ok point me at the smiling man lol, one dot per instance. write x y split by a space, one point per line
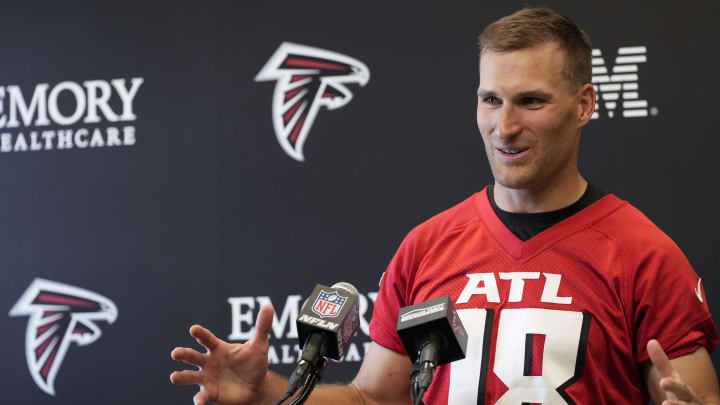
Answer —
530 112
569 294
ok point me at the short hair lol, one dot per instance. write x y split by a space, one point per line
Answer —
539 25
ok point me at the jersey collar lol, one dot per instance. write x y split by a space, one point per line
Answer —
523 251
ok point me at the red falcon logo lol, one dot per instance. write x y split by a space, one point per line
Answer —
307 78
60 314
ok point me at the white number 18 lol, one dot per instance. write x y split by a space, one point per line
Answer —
563 355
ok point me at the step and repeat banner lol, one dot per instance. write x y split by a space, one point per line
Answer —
171 163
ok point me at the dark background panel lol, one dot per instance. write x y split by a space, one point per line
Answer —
206 206
136 224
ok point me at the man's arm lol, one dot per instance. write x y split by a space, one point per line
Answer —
688 379
238 373
384 378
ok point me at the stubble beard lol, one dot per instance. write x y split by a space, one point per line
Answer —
512 177
533 175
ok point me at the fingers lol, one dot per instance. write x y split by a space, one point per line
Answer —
188 356
263 325
659 359
186 377
204 337
201 398
679 389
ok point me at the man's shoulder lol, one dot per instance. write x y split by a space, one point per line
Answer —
629 227
451 219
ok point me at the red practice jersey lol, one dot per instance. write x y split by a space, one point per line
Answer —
562 318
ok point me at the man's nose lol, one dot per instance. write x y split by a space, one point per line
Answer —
508 123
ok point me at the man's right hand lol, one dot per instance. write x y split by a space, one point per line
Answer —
228 373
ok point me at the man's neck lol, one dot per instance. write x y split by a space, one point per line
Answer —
551 197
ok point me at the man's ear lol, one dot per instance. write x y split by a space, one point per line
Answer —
586 104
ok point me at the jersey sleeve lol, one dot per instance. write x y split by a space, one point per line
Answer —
391 297
669 302
398 283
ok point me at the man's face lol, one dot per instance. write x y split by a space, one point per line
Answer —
528 116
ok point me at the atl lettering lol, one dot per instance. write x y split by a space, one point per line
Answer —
490 290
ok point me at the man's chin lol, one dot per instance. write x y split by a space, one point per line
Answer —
516 182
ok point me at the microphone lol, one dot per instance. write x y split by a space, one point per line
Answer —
332 312
433 335
327 321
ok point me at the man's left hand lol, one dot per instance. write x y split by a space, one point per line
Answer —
676 390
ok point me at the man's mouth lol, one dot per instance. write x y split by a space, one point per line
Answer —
512 151
513 155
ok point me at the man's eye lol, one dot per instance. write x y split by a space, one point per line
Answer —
492 100
531 101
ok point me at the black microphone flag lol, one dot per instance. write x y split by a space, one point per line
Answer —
418 322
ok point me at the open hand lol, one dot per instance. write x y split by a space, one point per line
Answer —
227 373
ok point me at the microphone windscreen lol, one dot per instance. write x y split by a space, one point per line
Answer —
347 287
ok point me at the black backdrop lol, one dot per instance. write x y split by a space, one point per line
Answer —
204 216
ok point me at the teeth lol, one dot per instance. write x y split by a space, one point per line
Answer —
511 152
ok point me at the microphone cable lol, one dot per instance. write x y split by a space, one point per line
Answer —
309 385
311 375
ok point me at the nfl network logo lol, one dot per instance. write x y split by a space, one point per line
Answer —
617 88
328 304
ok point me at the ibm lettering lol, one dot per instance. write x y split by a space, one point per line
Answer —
619 86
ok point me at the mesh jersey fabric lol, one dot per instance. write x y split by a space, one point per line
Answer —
563 317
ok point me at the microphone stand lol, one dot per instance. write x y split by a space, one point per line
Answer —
309 383
416 393
308 372
423 369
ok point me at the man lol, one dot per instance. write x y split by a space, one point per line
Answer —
562 287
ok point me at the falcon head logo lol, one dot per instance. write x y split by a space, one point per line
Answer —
60 314
306 79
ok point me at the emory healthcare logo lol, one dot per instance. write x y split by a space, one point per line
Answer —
68 115
59 314
306 79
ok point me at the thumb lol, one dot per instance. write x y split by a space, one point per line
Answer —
659 359
262 325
